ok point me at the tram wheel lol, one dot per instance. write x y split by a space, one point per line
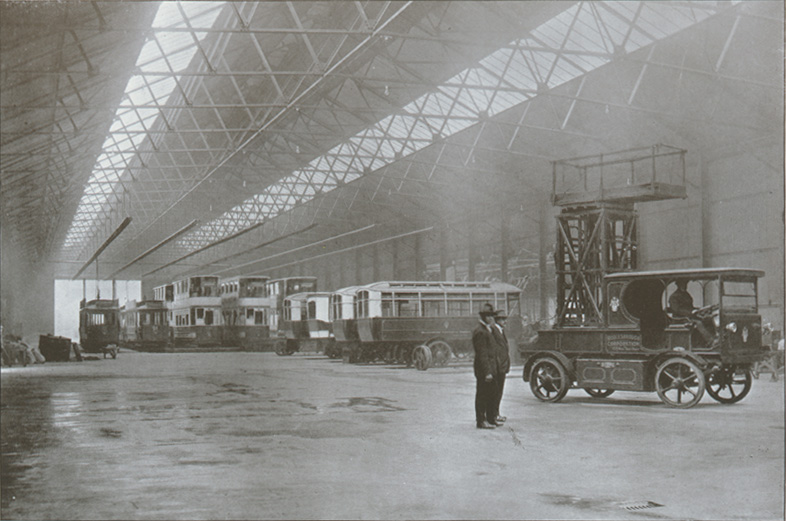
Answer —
421 358
598 393
679 383
407 355
548 380
398 354
441 353
729 384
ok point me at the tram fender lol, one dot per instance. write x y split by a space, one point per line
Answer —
564 360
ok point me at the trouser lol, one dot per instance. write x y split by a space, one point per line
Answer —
499 387
485 399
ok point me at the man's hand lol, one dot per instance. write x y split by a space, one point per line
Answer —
489 378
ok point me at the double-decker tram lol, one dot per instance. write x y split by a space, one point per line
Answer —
277 291
245 306
306 323
196 312
424 323
343 321
144 325
99 325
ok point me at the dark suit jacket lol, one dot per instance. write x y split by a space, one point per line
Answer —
485 353
501 350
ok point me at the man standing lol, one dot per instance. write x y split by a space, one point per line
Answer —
485 366
503 363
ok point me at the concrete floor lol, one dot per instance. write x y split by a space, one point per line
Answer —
253 435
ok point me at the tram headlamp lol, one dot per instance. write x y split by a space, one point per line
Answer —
732 326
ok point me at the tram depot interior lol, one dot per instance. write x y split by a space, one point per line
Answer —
202 202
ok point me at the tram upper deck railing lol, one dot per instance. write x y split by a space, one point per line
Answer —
628 176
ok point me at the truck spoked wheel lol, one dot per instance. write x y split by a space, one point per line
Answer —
549 380
679 383
729 384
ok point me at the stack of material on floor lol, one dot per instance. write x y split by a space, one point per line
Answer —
55 348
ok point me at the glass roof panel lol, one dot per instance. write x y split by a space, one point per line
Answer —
576 41
182 46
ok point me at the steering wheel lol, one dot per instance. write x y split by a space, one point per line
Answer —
706 310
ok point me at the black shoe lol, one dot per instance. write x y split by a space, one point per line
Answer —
486 425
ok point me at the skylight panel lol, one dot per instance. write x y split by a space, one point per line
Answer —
180 60
497 62
128 129
574 42
505 99
519 74
553 35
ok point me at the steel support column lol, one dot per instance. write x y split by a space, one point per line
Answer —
443 253
418 267
504 247
544 216
471 250
375 263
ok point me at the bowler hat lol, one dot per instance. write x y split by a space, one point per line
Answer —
488 310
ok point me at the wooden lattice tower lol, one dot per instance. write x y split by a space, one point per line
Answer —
597 228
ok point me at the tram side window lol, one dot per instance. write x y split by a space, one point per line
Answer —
433 305
335 307
254 289
361 304
513 303
312 310
387 304
259 317
458 305
478 299
407 305
209 317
